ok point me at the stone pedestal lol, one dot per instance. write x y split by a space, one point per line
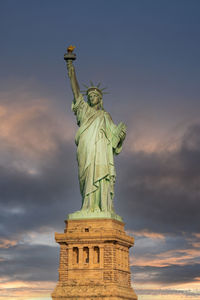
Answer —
94 261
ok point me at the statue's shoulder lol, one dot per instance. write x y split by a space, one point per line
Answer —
107 115
79 104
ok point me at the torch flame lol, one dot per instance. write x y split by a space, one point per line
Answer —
71 48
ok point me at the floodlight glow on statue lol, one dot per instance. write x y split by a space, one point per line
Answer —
97 140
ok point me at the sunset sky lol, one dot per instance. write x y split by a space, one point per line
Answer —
147 52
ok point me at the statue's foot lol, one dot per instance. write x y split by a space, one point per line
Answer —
96 209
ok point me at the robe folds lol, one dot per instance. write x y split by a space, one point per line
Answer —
97 141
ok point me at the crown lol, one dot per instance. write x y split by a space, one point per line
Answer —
93 88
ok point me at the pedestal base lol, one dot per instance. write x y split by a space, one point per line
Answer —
81 214
94 293
94 261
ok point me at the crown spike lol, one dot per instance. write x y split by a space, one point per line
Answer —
93 87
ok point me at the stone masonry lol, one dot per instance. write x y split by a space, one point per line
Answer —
94 261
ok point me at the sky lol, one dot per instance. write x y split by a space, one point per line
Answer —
147 53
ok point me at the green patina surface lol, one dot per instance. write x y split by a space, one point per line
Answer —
81 214
98 139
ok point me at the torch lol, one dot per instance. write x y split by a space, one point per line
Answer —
70 55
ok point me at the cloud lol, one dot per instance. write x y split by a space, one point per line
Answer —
147 234
5 243
37 171
169 292
167 275
160 191
26 290
30 263
169 261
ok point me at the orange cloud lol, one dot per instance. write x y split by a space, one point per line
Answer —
24 290
31 128
197 235
172 257
146 233
165 258
146 135
196 244
25 128
5 243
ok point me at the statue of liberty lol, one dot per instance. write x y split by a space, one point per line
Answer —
98 139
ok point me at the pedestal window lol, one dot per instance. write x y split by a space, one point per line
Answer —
96 255
75 255
86 255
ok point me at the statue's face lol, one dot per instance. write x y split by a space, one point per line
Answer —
93 98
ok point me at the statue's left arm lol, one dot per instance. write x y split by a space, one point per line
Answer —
117 134
119 137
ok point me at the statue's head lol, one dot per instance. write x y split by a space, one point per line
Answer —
94 96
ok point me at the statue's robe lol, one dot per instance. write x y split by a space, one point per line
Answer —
97 140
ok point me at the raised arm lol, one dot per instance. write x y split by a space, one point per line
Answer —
69 57
73 79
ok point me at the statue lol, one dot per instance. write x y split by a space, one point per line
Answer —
97 140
